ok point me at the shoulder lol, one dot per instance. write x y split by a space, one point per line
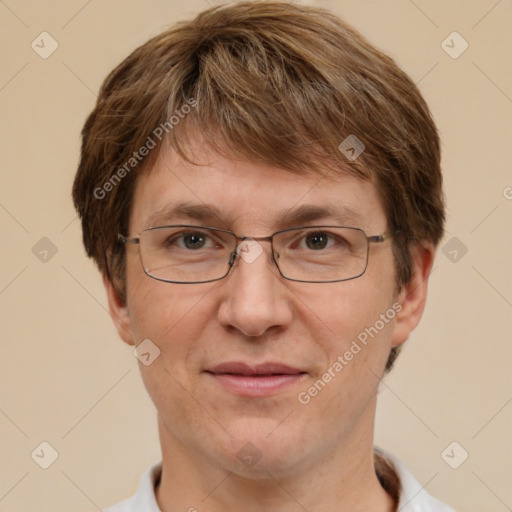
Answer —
144 499
412 497
122 506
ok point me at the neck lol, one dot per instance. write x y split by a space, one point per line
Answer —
345 480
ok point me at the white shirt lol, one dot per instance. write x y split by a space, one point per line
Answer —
412 499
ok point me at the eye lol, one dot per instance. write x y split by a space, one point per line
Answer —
193 240
190 240
317 240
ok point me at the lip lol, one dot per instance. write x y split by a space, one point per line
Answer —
255 379
240 368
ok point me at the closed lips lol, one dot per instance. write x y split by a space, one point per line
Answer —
257 370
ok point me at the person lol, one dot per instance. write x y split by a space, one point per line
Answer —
260 188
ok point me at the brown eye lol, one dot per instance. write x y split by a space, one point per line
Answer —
317 240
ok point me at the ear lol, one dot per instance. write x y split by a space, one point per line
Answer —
118 312
413 295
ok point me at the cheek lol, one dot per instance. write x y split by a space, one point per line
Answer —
173 319
351 325
341 311
171 316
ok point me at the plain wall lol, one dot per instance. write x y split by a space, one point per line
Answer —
68 380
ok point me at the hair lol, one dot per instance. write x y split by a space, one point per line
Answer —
269 82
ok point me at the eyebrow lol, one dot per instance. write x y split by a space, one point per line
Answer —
290 217
309 213
200 212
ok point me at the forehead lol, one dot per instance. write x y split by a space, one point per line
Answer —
236 194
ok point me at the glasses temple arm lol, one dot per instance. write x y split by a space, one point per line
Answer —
127 240
380 238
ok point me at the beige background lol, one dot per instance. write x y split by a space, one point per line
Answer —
67 379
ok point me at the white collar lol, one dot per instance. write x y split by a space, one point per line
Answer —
413 497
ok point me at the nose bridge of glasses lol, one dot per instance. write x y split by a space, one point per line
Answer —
243 238
249 249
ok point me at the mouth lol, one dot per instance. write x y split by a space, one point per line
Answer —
255 380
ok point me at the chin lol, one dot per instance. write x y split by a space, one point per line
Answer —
258 448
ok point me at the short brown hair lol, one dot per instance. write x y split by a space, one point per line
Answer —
271 82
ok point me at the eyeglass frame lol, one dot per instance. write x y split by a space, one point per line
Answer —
239 239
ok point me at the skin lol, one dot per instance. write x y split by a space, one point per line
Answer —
315 457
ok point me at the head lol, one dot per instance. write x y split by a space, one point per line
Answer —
247 108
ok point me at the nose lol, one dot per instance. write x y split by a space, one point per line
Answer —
255 300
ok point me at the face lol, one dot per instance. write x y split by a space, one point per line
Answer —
318 349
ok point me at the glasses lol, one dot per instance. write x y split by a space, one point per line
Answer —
198 254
